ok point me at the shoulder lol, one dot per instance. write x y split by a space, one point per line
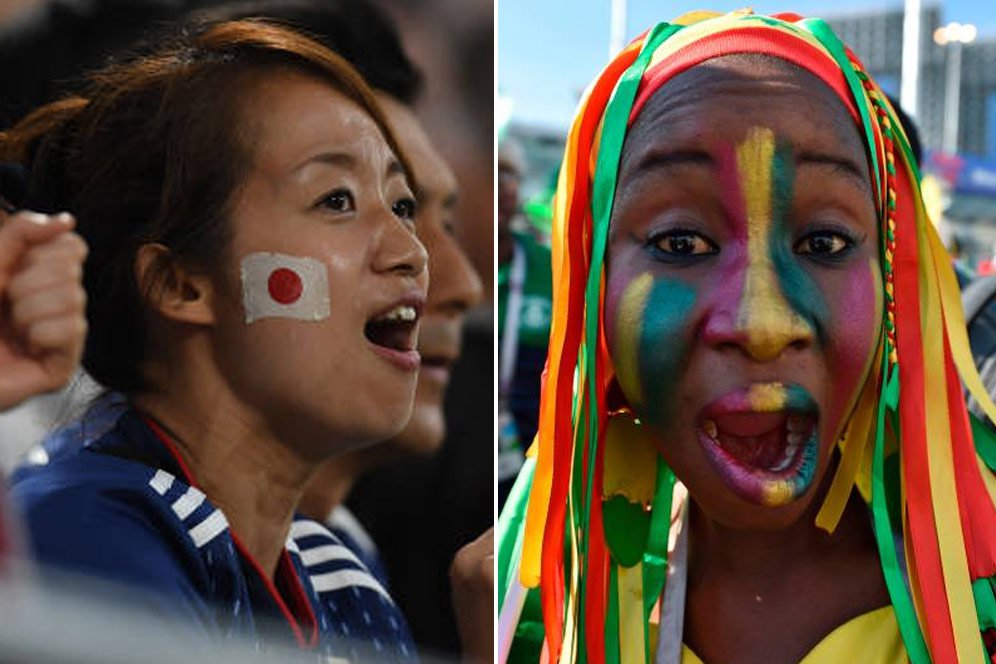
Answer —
119 520
330 563
359 606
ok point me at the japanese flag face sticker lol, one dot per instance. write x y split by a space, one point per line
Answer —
282 286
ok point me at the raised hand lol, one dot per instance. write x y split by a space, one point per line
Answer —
42 304
472 579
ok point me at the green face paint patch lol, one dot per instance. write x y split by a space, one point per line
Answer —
663 345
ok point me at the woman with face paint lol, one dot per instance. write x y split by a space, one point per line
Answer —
756 334
254 289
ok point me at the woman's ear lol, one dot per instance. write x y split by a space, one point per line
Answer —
170 290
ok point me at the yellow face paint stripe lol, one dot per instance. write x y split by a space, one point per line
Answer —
628 325
767 397
777 494
764 312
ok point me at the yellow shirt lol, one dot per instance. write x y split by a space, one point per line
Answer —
871 638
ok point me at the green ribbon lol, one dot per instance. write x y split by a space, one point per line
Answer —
825 35
510 528
895 581
985 603
609 151
985 441
655 558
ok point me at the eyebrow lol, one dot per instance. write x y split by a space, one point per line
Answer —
396 168
837 164
346 160
667 161
342 159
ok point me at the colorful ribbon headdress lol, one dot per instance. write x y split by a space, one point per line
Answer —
599 556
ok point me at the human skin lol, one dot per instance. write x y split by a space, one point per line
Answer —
42 304
454 288
257 407
743 298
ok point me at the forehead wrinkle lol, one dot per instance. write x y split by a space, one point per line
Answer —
745 78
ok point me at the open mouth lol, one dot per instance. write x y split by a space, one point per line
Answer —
768 442
394 329
394 334
765 450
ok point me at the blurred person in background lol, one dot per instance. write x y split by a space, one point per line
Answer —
176 164
365 37
524 310
422 510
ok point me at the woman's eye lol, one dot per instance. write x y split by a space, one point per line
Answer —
823 244
404 208
683 243
340 200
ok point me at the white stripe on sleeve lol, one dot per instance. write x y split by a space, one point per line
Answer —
328 553
306 527
185 505
347 578
209 528
161 482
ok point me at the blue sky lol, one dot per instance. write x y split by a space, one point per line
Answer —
549 50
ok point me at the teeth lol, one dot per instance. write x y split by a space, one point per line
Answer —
402 312
794 441
710 428
796 423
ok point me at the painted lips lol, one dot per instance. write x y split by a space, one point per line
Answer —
763 440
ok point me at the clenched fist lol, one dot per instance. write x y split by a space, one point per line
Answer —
42 304
472 576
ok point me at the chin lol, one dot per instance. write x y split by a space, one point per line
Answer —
724 505
424 433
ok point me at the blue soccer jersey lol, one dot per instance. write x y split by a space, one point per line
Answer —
121 506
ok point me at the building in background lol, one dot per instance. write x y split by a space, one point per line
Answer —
963 181
877 38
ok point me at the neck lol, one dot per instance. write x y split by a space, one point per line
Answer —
235 460
332 484
762 558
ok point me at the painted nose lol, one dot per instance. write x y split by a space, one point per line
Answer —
761 323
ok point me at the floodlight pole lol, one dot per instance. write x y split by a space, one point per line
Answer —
952 97
910 76
617 29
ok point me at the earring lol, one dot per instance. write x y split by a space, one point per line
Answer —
629 480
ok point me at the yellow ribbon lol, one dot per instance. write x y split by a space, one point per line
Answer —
631 622
940 459
854 450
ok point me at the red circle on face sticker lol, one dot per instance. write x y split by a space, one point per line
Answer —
285 285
